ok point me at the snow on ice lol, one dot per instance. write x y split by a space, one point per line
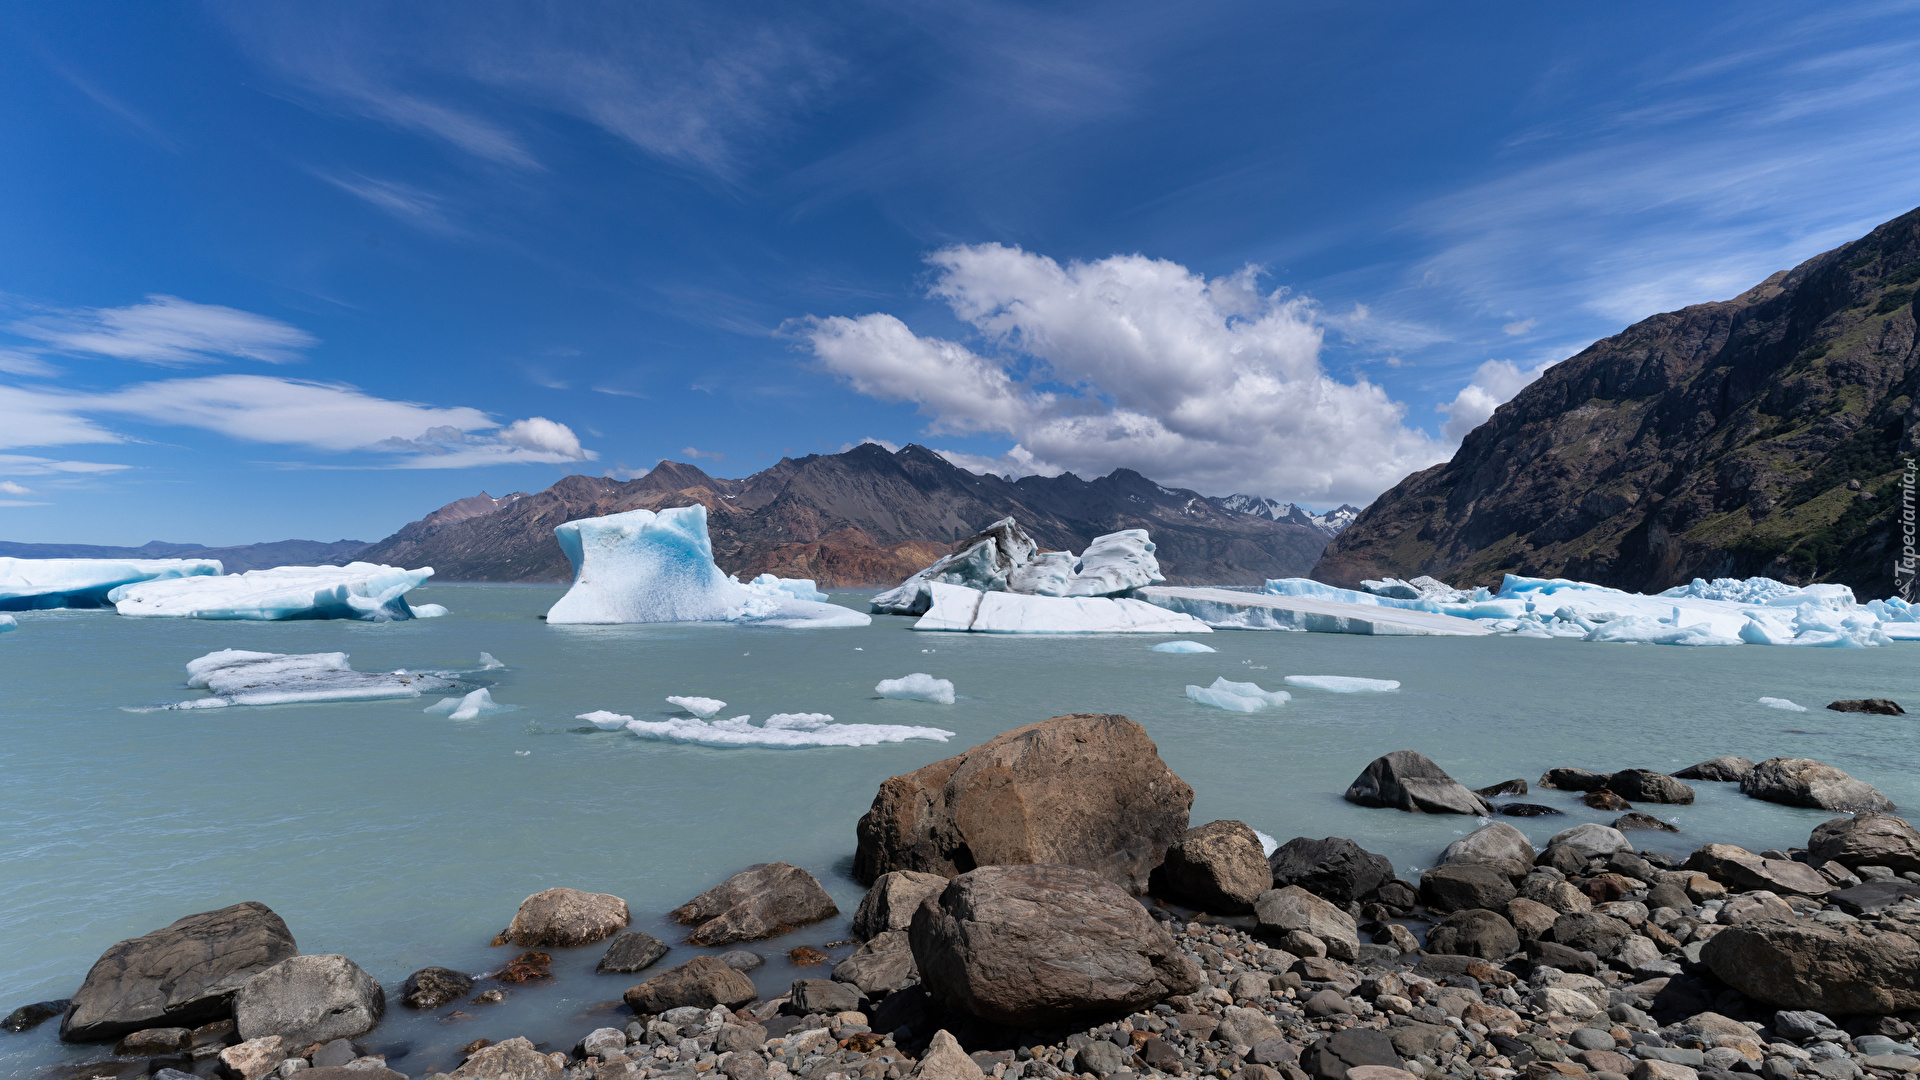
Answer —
787 731
236 677
702 707
1182 647
354 591
1342 684
38 584
1003 558
471 707
918 686
956 607
1236 696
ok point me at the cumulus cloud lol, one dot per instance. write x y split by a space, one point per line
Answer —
1494 383
1014 464
1133 362
168 330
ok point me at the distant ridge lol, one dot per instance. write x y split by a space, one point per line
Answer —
234 560
859 518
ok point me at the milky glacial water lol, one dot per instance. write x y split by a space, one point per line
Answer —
404 839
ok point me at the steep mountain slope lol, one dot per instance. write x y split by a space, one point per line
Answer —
1762 435
863 517
234 559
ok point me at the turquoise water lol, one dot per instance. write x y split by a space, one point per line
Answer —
404 839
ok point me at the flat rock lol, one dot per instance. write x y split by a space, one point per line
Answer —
1498 845
559 918
1334 868
1462 886
1738 868
1646 822
432 987
1218 867
1409 780
511 1059
701 983
1876 705
1084 790
1867 840
1294 908
1474 932
890 904
1036 945
309 999
1645 785
631 951
182 975
764 900
1727 769
822 996
1837 969
1805 782
1872 896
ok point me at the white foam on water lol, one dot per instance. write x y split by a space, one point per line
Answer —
701 707
429 611
1342 684
918 686
786 731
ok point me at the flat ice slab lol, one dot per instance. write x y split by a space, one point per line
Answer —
355 591
1236 696
785 731
1226 609
1343 684
254 678
956 607
38 584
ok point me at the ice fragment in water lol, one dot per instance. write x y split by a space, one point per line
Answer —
701 707
918 686
1182 647
8 622
604 720
254 678
428 611
355 591
797 588
790 731
36 584
488 663
1268 845
1782 703
472 707
1236 696
958 608
1341 684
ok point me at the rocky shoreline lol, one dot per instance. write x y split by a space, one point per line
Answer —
1039 907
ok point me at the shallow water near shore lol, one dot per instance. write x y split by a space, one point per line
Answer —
404 839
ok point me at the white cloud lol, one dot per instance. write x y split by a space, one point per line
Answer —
1494 383
1519 327
1016 463
168 330
13 362
22 465
46 418
1135 362
696 454
12 488
410 204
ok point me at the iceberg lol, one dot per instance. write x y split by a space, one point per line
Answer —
1116 563
1049 573
1003 558
471 707
1420 588
641 567
918 686
39 584
1230 609
1341 684
982 562
8 622
1782 703
256 678
1182 647
1236 696
786 731
958 608
354 591
701 707
604 720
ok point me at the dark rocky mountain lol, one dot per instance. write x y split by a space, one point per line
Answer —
1762 435
863 517
1329 523
235 560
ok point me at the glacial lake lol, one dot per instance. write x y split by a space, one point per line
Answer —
404 839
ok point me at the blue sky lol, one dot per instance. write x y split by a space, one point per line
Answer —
274 271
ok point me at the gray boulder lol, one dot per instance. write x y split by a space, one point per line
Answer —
183 975
1728 769
432 987
1839 969
1645 785
1475 932
1334 868
822 996
309 999
1499 845
1409 780
1331 1057
764 900
1590 840
1217 867
881 966
1294 908
1588 931
559 918
1463 886
1742 870
631 951
700 983
1037 945
511 1059
1867 840
1805 782
890 904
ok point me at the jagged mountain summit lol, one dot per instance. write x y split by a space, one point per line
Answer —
1765 434
863 517
1329 523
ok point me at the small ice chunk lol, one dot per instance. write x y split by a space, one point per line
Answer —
604 720
788 731
1780 702
701 707
472 707
1341 684
8 622
488 663
237 677
428 611
918 686
1182 647
1236 696
1268 845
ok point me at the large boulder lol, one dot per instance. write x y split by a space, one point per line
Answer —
881 966
1742 870
183 975
1645 785
890 904
559 918
1409 780
1805 782
1498 845
1084 790
1474 932
1217 867
1590 840
1038 945
309 999
1727 769
1590 931
1294 908
1867 840
1461 886
764 900
1861 967
1335 868
510 1059
701 982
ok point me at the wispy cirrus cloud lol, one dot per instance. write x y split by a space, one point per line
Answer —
415 206
164 330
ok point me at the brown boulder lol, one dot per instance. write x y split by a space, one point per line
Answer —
890 904
764 900
565 917
182 975
1805 782
1037 945
1083 790
1740 869
1645 785
512 1059
701 982
1294 908
1861 967
1727 769
1605 800
1867 840
1218 867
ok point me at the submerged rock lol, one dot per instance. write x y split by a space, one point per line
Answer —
28 1017
764 900
1643 821
1567 779
1528 810
1505 787
1605 800
1867 840
1219 867
180 976
1805 782
631 951
1334 868
1876 706
1645 785
432 987
1082 790
560 918
1409 780
309 999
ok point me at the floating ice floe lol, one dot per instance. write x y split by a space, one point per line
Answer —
956 607
1347 613
8 622
1342 684
488 663
701 707
255 678
1782 703
791 731
918 686
643 567
428 611
1182 647
471 707
604 720
38 584
354 591
1003 558
1236 696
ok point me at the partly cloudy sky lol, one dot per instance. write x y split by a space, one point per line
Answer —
288 270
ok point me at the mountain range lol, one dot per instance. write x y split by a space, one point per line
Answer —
1765 434
235 559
